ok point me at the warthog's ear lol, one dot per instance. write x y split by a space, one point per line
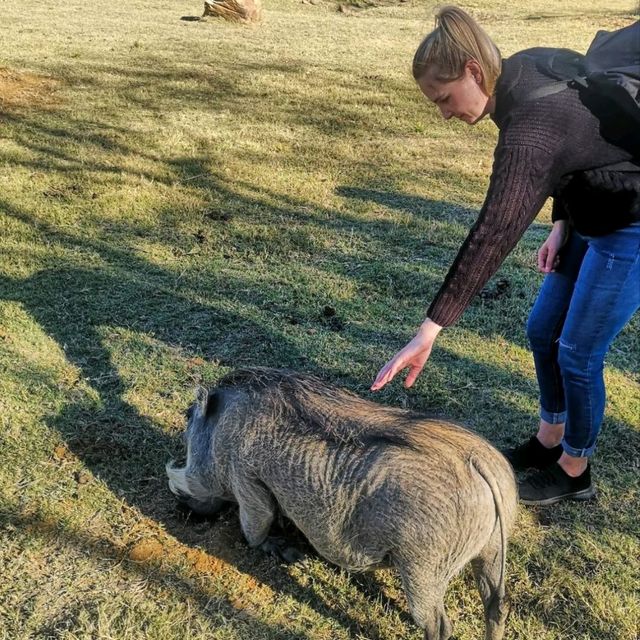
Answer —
202 395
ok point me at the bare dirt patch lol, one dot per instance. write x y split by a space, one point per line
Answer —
20 90
204 563
146 551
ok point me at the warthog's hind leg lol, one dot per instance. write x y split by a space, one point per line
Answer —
487 569
425 593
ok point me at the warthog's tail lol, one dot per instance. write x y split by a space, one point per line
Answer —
488 477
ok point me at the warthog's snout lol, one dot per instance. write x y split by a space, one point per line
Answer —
368 485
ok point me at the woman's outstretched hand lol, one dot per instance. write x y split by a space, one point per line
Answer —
548 253
414 355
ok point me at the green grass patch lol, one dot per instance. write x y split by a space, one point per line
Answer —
179 198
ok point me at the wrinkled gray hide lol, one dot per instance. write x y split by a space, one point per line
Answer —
368 485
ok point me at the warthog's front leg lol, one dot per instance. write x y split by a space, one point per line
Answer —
257 513
282 549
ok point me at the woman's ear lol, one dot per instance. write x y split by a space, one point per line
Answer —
476 71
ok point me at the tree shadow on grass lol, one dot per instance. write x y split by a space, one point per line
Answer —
119 445
237 86
166 571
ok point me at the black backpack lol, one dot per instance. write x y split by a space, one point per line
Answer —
610 67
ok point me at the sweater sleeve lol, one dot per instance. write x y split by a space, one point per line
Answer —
558 210
520 182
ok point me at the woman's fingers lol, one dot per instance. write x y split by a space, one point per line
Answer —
387 374
542 257
547 258
381 378
550 262
414 355
550 250
392 368
414 372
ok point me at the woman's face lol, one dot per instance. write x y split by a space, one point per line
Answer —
463 98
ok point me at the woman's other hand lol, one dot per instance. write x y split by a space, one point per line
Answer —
414 355
548 252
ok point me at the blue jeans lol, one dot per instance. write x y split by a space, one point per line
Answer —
580 309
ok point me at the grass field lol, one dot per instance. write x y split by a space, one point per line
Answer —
178 198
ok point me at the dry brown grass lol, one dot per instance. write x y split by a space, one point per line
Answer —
24 90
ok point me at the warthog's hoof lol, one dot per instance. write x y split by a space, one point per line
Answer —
280 548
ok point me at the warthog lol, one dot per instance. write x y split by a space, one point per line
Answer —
368 485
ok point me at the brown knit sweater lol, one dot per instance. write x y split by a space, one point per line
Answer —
559 146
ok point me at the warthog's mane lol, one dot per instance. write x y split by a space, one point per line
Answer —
337 415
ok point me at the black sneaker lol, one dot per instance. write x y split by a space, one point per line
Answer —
553 484
532 455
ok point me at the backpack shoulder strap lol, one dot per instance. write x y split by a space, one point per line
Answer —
556 87
564 68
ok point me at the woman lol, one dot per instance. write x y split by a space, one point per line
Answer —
572 145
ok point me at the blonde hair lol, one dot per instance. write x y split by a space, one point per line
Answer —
457 39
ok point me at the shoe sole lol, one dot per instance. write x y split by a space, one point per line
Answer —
580 496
